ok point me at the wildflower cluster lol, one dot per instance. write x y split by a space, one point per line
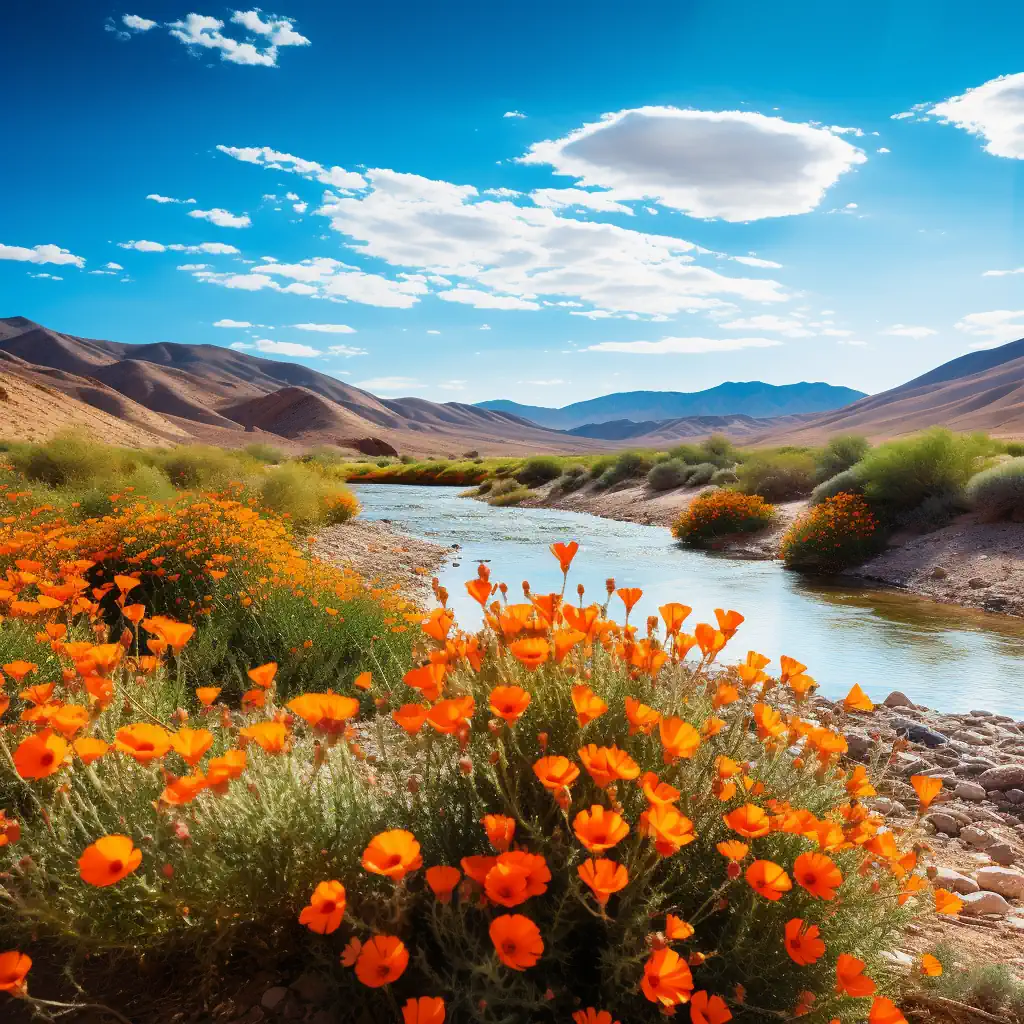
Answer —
719 513
561 817
839 532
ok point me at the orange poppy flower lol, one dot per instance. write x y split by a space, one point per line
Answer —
509 702
817 874
479 590
478 867
667 979
438 624
749 821
678 739
851 979
104 658
263 675
428 679
725 695
10 830
363 681
39 694
350 954
658 792
565 640
326 908
677 929
556 772
675 615
134 613
207 695
858 784
424 1010
599 829
750 671
705 1009
516 940
270 736
857 700
931 967
768 879
221 770
90 748
143 742
803 942
500 830
69 719
530 652
733 849
603 877
17 670
927 789
393 854
768 721
583 620
565 553
449 716
411 717
669 829
728 622
914 884
606 764
641 718
381 961
325 712
709 640
14 968
947 902
108 860
587 704
629 597
184 790
126 583
191 744
442 881
506 884
593 1016
40 755
885 1011
533 864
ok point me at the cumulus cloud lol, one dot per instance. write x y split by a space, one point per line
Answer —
997 326
1002 273
40 254
286 348
909 331
730 164
486 300
346 350
241 346
211 248
994 111
167 199
222 218
681 346
230 323
513 113
264 156
787 326
262 39
555 198
195 266
51 277
137 24
326 328
113 266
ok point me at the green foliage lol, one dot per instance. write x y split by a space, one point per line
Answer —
72 459
202 466
304 497
839 455
998 493
600 466
721 477
267 453
1014 448
993 988
691 454
777 476
719 450
839 532
663 476
700 474
721 513
539 470
847 482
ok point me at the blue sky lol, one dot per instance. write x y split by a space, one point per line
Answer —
544 203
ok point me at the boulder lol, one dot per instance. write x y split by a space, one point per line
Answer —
896 699
969 791
859 745
1004 776
918 733
944 823
368 445
983 902
1005 881
1015 796
976 837
1002 853
947 878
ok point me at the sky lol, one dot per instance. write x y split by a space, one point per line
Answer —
544 202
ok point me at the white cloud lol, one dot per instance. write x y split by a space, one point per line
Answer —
241 346
453 385
736 165
300 207
485 300
994 111
787 326
264 156
433 332
513 113
485 327
503 193
113 266
997 326
287 348
346 350
556 198
230 323
391 384
681 346
157 198
835 332
137 24
195 266
753 261
199 31
326 328
52 277
100 273
1003 273
882 149
40 254
909 331
222 218
210 248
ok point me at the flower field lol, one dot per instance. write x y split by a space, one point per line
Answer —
213 748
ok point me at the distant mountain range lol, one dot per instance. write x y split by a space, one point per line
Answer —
751 398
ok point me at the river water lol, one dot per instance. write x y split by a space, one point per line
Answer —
946 657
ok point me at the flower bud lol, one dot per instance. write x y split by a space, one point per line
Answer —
412 784
493 757
733 870
466 765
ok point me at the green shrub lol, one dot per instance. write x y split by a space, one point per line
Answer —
666 475
691 454
510 496
201 466
847 482
839 532
627 466
719 450
305 498
701 474
539 470
777 476
600 466
998 493
721 477
73 459
1014 448
267 453
839 455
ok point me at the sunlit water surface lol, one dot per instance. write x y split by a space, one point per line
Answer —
946 657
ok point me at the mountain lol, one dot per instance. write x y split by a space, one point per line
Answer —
170 392
982 390
753 398
662 433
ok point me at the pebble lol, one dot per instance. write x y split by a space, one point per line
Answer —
947 878
982 902
1005 881
977 837
969 791
944 823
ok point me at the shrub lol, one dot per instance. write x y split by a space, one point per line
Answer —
691 454
666 475
716 514
720 477
777 476
1014 448
572 479
626 467
306 498
201 466
539 470
262 452
998 493
840 454
600 466
719 450
700 474
847 482
829 537
510 496
73 459
900 475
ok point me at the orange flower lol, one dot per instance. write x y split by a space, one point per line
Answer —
425 1010
728 622
817 874
641 717
803 943
789 667
857 700
599 829
350 954
393 854
134 613
478 867
143 742
411 717
709 640
677 929
509 702
705 1009
593 1016
768 721
17 670
606 764
658 792
506 884
749 821
930 966
678 739
428 679
221 770
603 877
325 712
69 719
500 830
667 979
104 658
947 902
479 590
850 977
363 681
184 790
733 849
126 583
675 615
565 553
40 755
587 704
89 748
927 789
270 736
442 881
768 879
885 1011
38 694
108 860
10 830
14 967
326 908
669 829
725 695
191 744
531 652
438 624
565 640
858 784
750 671
449 716
556 772
629 597
264 674
207 695
516 940
381 961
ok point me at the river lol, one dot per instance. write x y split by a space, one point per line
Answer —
944 656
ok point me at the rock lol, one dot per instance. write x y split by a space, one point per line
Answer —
1005 776
979 713
1005 881
898 957
969 791
896 699
947 878
977 837
1002 853
886 805
859 745
938 573
982 902
977 583
944 823
311 987
1015 796
975 739
368 445
274 997
1016 923
918 733
975 765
